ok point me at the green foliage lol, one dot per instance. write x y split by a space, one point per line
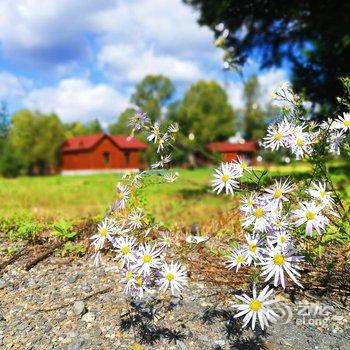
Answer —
11 163
206 113
64 229
72 249
37 139
121 125
312 35
79 128
8 251
26 230
152 94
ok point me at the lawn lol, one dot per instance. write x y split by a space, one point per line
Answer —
187 201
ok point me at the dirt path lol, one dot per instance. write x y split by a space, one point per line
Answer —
70 305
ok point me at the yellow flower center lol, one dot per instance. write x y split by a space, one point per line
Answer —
347 123
278 136
255 305
283 239
128 275
252 247
244 165
139 281
239 259
310 215
278 193
225 178
300 141
121 195
258 213
146 258
125 250
250 202
278 259
103 231
278 223
323 194
169 276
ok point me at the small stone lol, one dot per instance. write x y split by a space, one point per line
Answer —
2 284
72 279
79 308
181 345
76 345
88 317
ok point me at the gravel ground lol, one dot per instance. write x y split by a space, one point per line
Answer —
70 305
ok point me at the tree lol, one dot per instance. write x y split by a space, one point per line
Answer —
254 115
121 125
204 115
152 95
78 128
314 36
37 138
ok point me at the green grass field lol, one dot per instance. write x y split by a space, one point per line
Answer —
186 201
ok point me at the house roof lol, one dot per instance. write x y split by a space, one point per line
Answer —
80 143
227 147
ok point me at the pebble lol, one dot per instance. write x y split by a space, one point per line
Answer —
2 284
88 317
76 345
79 308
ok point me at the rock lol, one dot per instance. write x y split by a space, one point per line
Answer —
181 345
88 317
79 308
76 345
2 284
72 279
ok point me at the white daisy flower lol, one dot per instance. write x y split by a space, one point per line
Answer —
259 218
276 262
162 162
162 141
300 144
319 192
276 194
241 164
170 177
129 277
136 218
172 276
225 178
165 241
138 120
155 133
149 257
123 194
173 128
257 307
125 249
105 230
336 139
310 214
277 135
280 238
342 123
253 249
96 257
248 203
236 259
278 224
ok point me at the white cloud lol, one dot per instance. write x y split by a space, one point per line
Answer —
78 99
12 87
131 64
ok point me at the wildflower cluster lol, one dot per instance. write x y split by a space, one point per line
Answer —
126 228
273 216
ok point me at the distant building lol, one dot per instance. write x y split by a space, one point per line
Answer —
100 152
230 150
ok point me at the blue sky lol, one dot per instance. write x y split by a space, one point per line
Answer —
82 58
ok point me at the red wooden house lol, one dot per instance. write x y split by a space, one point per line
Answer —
230 150
101 152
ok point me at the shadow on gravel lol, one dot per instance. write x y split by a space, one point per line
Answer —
239 338
140 320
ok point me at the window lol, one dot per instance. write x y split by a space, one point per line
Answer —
127 157
105 158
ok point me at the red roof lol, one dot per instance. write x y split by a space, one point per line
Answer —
227 147
88 141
